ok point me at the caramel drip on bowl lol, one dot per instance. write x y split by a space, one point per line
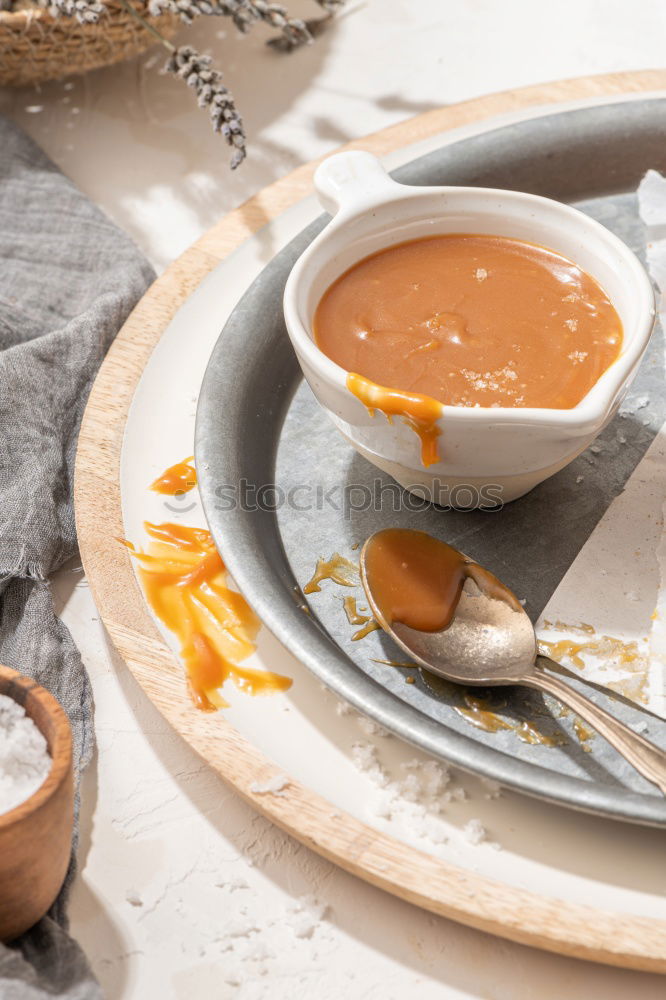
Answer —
186 585
419 412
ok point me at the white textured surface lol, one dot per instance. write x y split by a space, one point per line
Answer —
184 890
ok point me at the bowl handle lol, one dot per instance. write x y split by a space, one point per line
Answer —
351 181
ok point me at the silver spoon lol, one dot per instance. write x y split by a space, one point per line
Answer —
490 642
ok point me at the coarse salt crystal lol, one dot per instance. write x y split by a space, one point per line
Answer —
492 787
370 727
305 914
475 832
274 786
577 356
364 756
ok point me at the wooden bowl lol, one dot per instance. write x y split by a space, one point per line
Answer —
36 836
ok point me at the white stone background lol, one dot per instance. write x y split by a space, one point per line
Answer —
152 810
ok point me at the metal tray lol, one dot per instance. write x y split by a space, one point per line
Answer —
258 424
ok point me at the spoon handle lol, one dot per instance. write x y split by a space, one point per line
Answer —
648 759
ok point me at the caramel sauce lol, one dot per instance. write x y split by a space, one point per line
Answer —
564 649
582 628
354 616
185 583
396 663
417 580
583 734
623 653
478 712
371 626
527 732
470 320
345 573
419 412
483 715
338 569
614 653
177 479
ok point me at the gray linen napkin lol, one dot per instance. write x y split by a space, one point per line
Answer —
68 280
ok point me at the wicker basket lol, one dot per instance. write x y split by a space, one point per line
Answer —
34 46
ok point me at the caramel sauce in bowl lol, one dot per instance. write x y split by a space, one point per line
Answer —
435 441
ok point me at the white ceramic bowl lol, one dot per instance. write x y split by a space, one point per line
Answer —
502 452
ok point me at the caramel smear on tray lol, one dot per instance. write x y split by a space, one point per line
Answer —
342 571
483 715
177 479
417 580
583 734
613 655
471 320
371 626
622 653
338 569
354 616
419 412
185 583
480 714
397 663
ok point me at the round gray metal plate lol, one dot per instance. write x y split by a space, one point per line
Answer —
258 425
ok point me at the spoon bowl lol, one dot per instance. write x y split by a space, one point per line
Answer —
481 635
488 643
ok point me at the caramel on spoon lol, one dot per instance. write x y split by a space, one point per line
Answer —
457 620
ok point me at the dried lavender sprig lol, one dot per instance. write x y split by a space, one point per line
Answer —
187 10
244 14
85 11
314 27
196 70
292 29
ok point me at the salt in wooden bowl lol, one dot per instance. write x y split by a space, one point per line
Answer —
36 836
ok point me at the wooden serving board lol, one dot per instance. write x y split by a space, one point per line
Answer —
444 888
